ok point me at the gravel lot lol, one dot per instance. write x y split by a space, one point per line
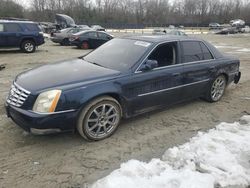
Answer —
66 160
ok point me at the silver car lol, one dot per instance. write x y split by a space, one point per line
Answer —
62 37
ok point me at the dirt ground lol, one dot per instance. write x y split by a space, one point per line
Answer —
66 160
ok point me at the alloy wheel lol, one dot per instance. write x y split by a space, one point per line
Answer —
218 88
102 120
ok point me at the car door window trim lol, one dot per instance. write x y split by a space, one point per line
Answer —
138 71
176 87
179 64
200 61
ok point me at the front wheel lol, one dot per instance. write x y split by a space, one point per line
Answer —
217 89
28 46
99 119
85 45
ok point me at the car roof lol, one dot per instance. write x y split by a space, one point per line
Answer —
16 21
160 38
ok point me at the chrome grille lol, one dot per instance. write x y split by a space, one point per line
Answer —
17 95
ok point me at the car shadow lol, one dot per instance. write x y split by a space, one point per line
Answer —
10 51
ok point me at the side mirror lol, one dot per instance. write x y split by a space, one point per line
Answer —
149 65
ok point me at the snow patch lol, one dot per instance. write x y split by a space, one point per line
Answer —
220 157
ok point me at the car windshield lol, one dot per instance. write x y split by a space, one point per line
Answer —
118 54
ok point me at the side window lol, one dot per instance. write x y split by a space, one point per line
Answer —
92 34
71 31
206 53
191 51
32 27
12 27
1 27
165 54
103 36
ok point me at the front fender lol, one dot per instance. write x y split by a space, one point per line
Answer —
78 98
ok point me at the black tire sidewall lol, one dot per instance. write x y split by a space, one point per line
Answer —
82 120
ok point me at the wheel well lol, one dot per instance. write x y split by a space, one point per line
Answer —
226 76
31 39
113 95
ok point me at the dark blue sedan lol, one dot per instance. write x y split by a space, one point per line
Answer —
89 39
122 78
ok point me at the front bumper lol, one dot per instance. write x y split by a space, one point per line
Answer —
42 123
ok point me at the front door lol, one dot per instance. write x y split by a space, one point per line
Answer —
93 39
162 86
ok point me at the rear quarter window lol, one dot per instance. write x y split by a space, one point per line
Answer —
32 27
206 52
191 51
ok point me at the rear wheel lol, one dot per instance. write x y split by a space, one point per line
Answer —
28 46
217 89
85 45
99 119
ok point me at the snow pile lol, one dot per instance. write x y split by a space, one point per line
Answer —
218 158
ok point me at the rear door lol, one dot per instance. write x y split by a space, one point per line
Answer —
198 63
93 39
103 37
13 34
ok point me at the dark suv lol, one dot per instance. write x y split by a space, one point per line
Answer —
25 35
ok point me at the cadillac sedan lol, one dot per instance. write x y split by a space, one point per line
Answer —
122 78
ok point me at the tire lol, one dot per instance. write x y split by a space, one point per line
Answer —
85 45
99 119
216 89
65 42
28 46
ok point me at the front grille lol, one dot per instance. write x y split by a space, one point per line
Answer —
17 95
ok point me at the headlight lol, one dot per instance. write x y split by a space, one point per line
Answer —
46 102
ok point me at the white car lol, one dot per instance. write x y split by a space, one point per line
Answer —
246 29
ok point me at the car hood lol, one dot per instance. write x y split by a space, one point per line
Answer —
66 73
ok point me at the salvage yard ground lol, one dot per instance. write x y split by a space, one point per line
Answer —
66 160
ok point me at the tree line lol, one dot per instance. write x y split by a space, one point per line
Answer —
119 13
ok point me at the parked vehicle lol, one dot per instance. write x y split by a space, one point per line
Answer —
245 29
228 30
62 37
90 39
214 26
25 35
169 32
97 28
122 78
64 21
237 23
